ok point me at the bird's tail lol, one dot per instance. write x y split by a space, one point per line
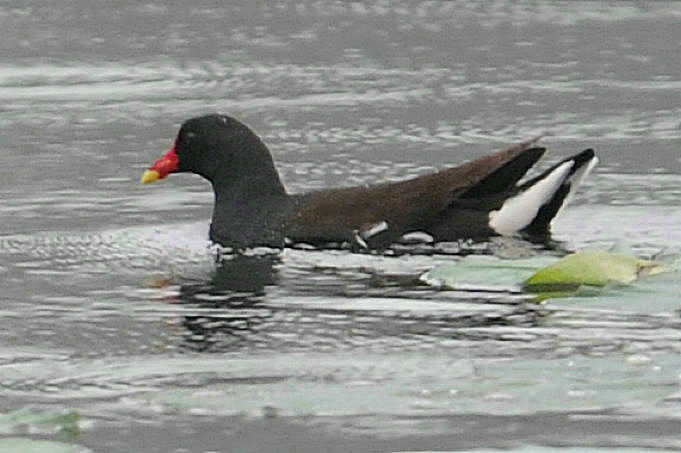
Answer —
536 202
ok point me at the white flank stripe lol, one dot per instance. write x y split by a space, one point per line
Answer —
374 229
360 241
417 236
518 212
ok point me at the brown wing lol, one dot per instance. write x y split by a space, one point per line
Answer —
338 214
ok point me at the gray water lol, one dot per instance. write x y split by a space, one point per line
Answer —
118 333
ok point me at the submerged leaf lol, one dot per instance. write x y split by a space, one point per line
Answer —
65 421
24 445
484 273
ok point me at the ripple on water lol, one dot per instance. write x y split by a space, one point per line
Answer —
343 384
127 322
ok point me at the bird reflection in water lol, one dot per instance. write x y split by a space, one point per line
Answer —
232 301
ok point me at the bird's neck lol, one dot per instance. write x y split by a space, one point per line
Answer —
250 212
248 188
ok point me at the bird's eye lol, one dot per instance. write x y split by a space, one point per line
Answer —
187 137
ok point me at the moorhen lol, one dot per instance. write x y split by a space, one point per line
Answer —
478 199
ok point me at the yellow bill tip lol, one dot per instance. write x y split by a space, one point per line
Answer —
150 176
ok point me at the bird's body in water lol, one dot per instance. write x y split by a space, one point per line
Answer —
475 200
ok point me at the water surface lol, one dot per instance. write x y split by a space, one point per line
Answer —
119 333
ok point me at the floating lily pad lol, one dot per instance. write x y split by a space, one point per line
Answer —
580 273
590 267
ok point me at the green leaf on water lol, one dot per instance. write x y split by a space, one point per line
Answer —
581 273
592 267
